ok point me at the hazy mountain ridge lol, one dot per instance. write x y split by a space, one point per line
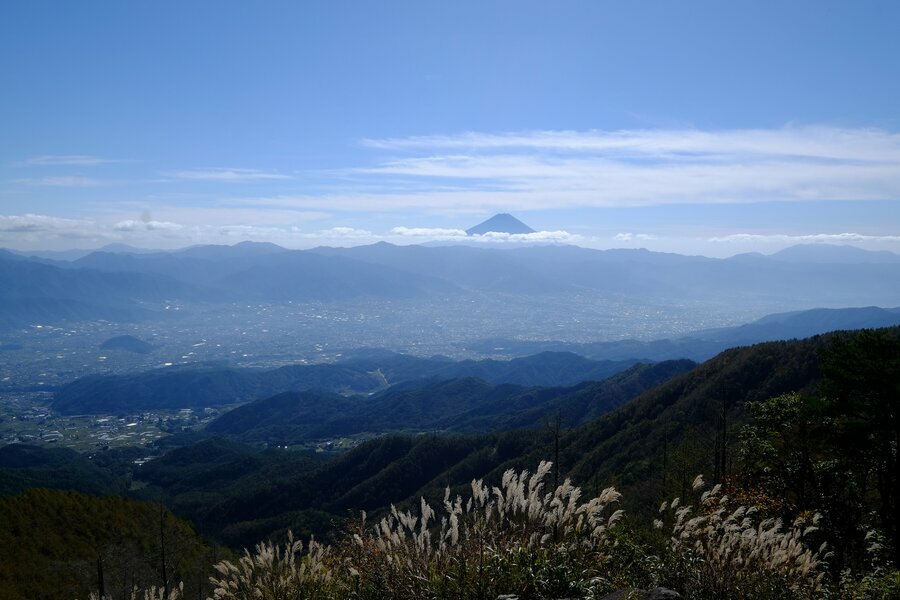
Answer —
198 386
639 272
457 405
195 387
33 292
704 344
128 343
834 253
264 272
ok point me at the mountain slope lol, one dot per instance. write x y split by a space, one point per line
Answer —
457 405
193 386
50 542
500 223
23 466
268 272
670 429
32 292
128 343
832 253
466 267
196 387
704 344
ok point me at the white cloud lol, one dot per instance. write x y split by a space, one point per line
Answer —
479 173
345 232
628 237
439 234
239 232
225 175
225 213
812 238
74 181
149 225
806 141
429 232
45 232
546 170
31 223
55 160
557 237
568 169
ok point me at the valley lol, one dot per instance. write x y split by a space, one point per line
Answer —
249 418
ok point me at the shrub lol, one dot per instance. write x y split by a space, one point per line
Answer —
275 573
153 593
727 551
514 538
517 538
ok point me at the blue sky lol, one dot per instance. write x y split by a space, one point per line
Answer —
701 127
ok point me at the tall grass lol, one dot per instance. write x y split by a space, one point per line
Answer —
720 550
524 539
275 573
153 593
515 538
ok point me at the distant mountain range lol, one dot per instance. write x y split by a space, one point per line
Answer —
75 254
33 292
125 285
702 345
832 253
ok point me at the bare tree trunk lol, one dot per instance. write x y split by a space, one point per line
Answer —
100 584
162 543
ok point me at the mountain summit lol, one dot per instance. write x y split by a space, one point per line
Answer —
501 223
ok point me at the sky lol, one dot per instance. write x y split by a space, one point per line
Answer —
700 127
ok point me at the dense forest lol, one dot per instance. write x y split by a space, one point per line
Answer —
796 440
57 544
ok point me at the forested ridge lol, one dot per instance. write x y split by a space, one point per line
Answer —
788 429
54 544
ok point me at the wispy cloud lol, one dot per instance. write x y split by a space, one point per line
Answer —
345 232
439 234
41 230
59 160
803 141
31 223
629 237
812 238
150 225
540 237
566 169
424 180
429 232
70 181
226 175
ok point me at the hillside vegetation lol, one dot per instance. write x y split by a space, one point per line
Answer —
466 405
51 542
796 439
650 447
194 386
